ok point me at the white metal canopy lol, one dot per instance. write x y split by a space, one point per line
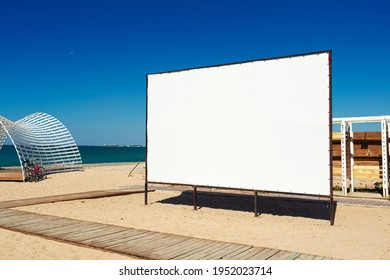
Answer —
42 137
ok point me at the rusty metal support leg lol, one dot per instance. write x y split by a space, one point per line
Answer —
255 205
146 193
331 210
195 198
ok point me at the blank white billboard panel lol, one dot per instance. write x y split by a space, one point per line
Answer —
261 125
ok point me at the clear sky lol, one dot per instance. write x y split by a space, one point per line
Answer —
85 62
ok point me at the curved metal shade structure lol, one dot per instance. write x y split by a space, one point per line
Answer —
43 138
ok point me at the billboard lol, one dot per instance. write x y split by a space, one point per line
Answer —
256 125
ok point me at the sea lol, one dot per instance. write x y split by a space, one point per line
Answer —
89 155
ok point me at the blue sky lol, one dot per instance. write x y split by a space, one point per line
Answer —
85 62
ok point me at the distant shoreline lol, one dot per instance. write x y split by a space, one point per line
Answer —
89 155
103 146
113 146
111 163
88 164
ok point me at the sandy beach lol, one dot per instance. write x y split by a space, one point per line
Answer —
294 225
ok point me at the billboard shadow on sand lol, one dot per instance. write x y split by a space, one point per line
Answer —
280 206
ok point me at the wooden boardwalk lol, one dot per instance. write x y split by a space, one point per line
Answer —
366 202
140 243
14 174
67 197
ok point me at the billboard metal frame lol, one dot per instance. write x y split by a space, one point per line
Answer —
255 204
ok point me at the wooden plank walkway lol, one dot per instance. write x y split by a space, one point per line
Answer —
14 174
366 202
67 197
140 243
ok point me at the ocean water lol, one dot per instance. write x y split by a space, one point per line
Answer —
89 155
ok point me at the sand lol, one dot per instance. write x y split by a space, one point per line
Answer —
93 177
18 246
295 225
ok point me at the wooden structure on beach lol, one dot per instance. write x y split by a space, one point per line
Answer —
11 174
367 155
361 154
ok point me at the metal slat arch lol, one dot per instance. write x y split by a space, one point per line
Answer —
44 138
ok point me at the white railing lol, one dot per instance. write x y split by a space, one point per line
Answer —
348 158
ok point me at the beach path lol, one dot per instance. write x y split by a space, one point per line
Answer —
67 197
13 174
135 242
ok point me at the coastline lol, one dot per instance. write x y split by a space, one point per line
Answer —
89 164
112 163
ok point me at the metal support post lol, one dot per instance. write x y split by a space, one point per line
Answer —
352 155
331 210
133 169
146 193
385 157
255 205
195 198
344 170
